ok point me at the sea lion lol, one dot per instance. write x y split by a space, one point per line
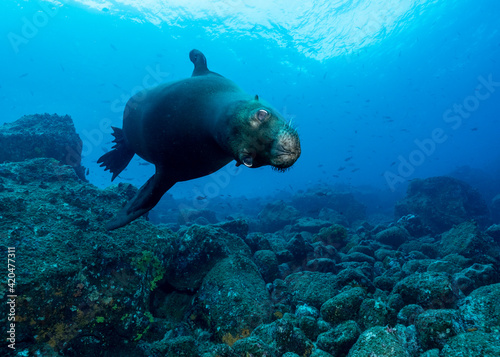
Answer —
193 127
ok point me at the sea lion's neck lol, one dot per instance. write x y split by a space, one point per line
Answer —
229 118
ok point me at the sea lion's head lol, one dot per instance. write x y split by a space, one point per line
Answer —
258 136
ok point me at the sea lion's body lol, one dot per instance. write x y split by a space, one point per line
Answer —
191 128
182 136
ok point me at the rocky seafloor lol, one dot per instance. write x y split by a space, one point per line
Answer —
310 274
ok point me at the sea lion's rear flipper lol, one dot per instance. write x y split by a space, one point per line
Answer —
147 197
118 158
200 64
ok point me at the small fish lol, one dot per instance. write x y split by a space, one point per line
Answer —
473 129
199 198
62 67
348 158
320 194
87 172
393 163
354 170
113 46
23 75
341 168
144 163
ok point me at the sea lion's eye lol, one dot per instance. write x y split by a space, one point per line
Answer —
262 114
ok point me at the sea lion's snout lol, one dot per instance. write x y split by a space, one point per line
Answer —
286 149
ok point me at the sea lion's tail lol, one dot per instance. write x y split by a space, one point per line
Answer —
117 159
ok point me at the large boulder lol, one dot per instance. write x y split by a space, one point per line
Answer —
232 300
42 135
464 239
277 215
74 279
442 202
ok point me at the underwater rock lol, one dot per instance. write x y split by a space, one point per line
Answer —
429 290
393 236
252 346
312 288
267 263
340 339
288 338
199 216
238 227
413 224
309 325
476 276
75 279
298 247
385 282
277 215
356 276
481 309
379 341
332 216
342 202
431 353
323 265
42 136
232 299
375 312
408 314
175 346
421 248
308 224
473 343
443 266
335 235
343 307
416 266
196 251
494 232
442 202
436 327
464 239
358 257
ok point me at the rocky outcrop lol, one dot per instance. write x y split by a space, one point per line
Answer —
42 135
442 202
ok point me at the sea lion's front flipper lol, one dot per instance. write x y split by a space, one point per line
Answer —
200 64
147 197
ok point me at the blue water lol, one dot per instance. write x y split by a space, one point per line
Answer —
381 92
